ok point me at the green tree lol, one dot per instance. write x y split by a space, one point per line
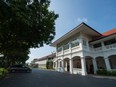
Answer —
25 24
49 64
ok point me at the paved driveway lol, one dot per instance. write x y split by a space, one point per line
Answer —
45 78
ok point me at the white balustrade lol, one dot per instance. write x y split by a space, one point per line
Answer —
98 49
66 51
111 46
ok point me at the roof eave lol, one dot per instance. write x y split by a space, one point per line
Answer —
73 30
102 38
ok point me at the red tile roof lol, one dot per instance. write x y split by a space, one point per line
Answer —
112 31
106 34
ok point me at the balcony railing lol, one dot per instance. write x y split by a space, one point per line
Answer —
107 47
66 51
98 49
112 46
60 53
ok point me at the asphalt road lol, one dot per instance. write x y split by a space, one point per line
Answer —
45 78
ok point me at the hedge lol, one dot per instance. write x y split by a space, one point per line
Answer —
105 72
3 72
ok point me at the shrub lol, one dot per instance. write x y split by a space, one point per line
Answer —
102 72
49 64
3 72
105 72
109 73
113 73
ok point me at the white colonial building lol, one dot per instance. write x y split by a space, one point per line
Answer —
83 50
41 62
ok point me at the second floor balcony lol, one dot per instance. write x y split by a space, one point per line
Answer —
104 45
98 49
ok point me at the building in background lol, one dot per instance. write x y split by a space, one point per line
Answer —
46 61
33 63
84 50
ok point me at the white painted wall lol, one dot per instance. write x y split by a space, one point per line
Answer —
83 51
42 63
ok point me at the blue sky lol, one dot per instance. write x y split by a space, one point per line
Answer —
99 14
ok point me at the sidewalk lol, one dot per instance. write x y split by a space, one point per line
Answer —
108 77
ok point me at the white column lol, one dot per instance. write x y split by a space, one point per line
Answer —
58 68
70 49
62 64
81 44
71 66
56 65
83 64
56 59
94 65
107 64
88 45
66 66
62 51
103 47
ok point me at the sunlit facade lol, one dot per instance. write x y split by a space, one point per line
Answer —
84 50
43 60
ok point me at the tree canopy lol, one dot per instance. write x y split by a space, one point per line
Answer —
25 24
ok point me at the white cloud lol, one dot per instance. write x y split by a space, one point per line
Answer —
82 19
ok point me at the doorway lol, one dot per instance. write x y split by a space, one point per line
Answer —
89 66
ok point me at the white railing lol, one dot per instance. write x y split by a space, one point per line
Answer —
66 51
76 49
91 49
112 46
107 47
59 53
98 49
85 47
